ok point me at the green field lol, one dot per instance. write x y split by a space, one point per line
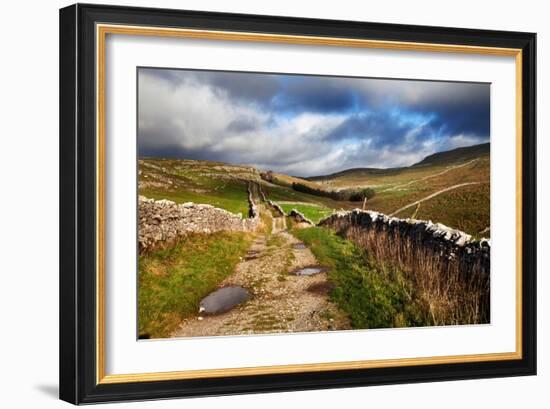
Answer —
312 211
287 194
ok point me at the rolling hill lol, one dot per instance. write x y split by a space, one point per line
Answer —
456 155
440 158
451 187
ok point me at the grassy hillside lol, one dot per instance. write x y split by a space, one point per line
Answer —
410 186
456 155
181 181
466 209
451 187
465 171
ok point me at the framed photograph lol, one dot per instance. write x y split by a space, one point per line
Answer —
257 203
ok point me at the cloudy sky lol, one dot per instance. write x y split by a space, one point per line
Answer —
305 125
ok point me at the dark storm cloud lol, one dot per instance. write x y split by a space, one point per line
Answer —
313 94
471 117
381 128
305 125
455 107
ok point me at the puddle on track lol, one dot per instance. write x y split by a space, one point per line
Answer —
299 246
223 299
309 271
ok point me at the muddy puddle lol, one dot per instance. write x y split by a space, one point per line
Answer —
309 271
223 299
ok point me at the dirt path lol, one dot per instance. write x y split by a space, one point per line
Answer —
279 301
279 225
434 195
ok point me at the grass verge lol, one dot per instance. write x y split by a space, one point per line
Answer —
173 281
373 295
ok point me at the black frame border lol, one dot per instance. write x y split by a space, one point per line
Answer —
78 197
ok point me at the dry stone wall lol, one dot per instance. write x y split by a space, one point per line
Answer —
444 263
162 222
253 212
409 241
276 208
262 194
299 217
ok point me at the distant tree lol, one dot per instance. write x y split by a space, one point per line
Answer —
357 195
369 193
352 195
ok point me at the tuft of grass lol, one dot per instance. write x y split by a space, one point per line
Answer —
172 282
275 241
373 295
267 221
